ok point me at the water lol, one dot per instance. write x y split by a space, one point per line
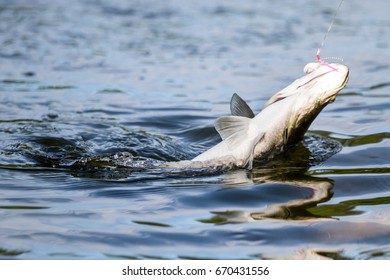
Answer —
88 79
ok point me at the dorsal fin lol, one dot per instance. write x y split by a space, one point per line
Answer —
238 134
238 107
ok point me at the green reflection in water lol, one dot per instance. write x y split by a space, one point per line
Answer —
356 140
22 207
346 208
335 171
11 253
213 220
55 87
151 224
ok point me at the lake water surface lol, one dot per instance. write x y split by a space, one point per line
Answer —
94 78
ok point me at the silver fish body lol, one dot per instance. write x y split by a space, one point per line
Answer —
283 121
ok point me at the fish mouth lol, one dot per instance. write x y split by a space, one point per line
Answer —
344 82
332 96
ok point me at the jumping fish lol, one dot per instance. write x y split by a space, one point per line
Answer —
282 123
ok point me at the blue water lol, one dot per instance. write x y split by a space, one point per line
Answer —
91 79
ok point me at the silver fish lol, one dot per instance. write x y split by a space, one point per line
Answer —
282 123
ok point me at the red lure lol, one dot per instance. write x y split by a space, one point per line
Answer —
323 62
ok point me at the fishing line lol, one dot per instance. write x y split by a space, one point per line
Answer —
326 34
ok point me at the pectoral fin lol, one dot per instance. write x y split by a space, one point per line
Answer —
233 129
238 134
238 107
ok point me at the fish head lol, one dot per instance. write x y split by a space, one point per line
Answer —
308 95
324 81
321 84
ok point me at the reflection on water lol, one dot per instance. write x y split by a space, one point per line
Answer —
297 210
86 86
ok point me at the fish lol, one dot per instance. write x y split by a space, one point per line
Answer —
245 137
282 122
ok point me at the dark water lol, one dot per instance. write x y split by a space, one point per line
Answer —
82 79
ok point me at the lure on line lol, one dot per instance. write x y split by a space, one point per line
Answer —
323 62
